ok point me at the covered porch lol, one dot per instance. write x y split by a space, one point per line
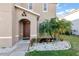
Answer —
25 24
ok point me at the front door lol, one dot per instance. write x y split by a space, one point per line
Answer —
26 29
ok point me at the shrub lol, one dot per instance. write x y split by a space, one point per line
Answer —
32 41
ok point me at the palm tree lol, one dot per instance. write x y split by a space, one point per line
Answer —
54 27
49 27
45 28
64 26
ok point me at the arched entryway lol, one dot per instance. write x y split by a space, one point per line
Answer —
24 29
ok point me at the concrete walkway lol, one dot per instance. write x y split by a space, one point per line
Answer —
21 48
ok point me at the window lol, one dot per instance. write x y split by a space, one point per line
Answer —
30 6
45 7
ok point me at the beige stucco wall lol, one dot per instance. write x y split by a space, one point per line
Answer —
14 26
38 8
45 15
5 25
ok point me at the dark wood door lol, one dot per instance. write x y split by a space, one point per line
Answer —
26 29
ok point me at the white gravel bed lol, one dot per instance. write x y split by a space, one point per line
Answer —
57 45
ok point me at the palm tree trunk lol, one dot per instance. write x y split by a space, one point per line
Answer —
50 34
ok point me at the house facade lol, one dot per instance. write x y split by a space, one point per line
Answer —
21 20
73 16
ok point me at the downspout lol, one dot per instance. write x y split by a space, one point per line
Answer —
37 27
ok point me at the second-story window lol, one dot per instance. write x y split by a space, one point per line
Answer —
45 7
30 6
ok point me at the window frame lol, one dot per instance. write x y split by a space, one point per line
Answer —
29 6
43 6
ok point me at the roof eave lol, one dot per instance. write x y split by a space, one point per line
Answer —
27 10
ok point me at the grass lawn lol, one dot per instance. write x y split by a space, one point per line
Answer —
53 53
74 51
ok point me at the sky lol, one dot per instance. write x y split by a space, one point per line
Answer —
66 7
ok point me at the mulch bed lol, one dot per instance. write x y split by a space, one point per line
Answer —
46 40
